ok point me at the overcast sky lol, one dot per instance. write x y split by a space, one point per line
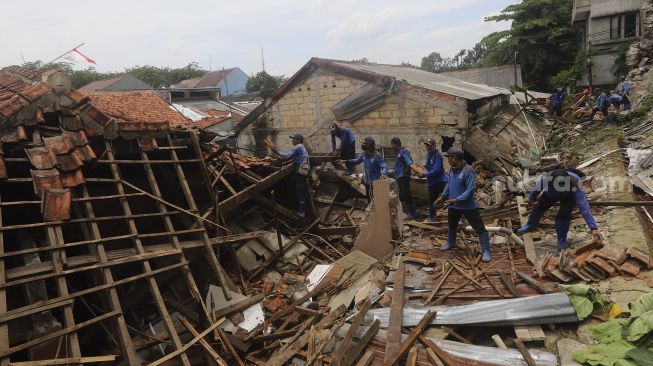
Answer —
216 34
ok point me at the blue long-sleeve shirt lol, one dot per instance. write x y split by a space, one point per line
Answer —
602 101
624 88
434 170
374 166
346 138
557 98
460 186
403 161
578 195
298 153
615 99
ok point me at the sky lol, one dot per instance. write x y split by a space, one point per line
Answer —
119 34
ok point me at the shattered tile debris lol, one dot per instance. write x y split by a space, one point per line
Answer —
128 238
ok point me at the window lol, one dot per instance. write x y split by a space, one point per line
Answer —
631 27
199 94
615 27
177 95
624 26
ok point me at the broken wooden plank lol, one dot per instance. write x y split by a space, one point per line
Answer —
355 351
205 344
529 333
509 284
366 360
411 359
339 353
396 314
529 247
533 283
408 342
66 361
442 355
251 191
524 352
230 348
187 345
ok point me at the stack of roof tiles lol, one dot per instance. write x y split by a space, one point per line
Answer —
596 261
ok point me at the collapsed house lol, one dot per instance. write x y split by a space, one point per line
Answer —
381 101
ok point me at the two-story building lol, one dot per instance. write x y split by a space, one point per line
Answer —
606 28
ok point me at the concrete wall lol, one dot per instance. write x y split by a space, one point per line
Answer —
413 115
236 83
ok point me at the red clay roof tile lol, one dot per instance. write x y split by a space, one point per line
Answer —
144 106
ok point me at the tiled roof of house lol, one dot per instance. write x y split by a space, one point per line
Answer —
143 106
188 83
98 85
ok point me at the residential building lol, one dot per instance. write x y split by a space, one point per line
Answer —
606 28
123 82
504 76
381 101
227 81
143 106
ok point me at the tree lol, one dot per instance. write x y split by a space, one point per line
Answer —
435 63
164 77
264 83
541 33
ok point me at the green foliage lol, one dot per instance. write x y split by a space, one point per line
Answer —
582 305
642 305
603 354
641 327
609 331
157 77
164 77
541 33
576 289
265 83
641 356
435 63
570 76
638 114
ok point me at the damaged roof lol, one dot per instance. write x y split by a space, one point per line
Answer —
144 106
380 75
212 78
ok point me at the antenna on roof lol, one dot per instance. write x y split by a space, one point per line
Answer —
262 59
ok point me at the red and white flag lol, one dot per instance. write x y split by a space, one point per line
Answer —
76 56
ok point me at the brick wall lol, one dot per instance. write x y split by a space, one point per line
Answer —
413 115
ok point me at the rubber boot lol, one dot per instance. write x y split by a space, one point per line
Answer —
411 210
451 239
562 228
533 220
485 245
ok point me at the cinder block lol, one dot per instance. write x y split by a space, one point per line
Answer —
394 121
386 114
373 114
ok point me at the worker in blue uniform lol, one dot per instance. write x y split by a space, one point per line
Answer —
459 194
373 163
436 177
564 186
556 99
302 169
602 104
347 148
402 174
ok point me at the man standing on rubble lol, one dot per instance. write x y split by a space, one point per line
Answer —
459 194
302 169
565 186
347 149
436 177
402 173
373 163
602 104
556 99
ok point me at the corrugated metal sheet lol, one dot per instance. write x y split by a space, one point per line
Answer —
542 309
429 80
493 355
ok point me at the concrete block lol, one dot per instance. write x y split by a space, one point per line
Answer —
373 114
397 113
566 347
394 121
386 114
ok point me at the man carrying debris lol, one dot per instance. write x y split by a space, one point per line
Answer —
347 149
564 185
436 177
302 169
602 104
461 186
373 164
615 99
402 173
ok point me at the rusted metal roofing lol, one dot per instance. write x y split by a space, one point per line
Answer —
144 106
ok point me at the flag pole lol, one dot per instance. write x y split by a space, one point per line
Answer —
74 48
